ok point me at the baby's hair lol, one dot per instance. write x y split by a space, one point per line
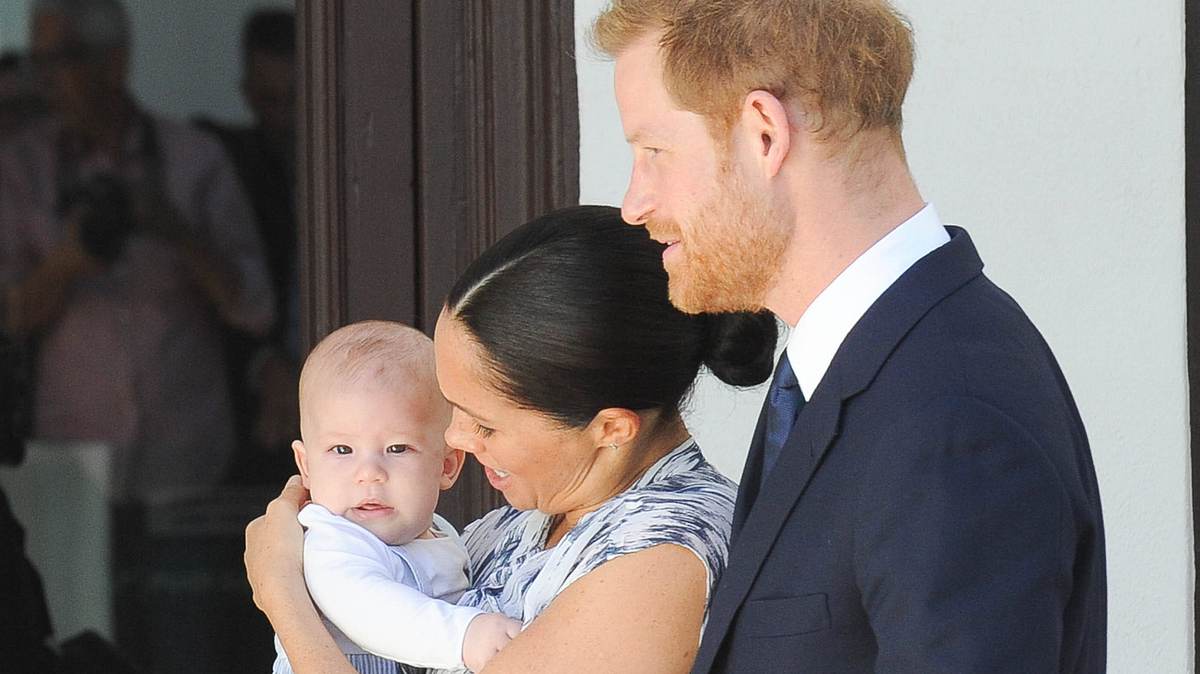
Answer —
384 353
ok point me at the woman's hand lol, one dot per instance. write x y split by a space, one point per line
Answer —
275 548
275 567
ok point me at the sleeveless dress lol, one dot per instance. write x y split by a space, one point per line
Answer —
680 500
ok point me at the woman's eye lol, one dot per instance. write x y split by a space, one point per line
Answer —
341 449
482 431
397 449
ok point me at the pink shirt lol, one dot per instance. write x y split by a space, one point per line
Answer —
135 358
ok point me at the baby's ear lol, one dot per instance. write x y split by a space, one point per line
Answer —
452 464
301 461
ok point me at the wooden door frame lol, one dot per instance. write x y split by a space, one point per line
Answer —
427 129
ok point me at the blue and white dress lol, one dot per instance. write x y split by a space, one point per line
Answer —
681 500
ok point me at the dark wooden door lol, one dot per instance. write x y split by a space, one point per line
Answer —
428 128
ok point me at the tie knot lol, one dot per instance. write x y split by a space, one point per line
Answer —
785 378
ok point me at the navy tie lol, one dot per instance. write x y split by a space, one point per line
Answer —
784 402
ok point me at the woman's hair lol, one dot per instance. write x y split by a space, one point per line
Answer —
572 316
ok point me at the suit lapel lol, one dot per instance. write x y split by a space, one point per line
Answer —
814 432
860 357
751 475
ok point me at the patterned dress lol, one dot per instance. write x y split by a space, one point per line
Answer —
680 500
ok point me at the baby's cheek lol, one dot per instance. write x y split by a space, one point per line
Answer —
326 492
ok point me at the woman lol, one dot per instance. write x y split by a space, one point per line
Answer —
566 365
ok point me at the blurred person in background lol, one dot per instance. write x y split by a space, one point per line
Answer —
264 370
24 642
19 103
126 246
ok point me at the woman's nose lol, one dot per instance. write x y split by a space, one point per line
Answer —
458 433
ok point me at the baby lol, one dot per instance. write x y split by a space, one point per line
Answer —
380 565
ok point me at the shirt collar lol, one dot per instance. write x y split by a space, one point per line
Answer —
818 335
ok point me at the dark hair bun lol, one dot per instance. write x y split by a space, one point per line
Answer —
572 312
740 347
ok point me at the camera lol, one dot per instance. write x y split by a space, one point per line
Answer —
106 215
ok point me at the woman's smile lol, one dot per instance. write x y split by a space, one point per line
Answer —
497 478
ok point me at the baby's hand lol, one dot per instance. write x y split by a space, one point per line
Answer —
487 634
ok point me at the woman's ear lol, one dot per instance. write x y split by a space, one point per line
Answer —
301 457
613 427
452 465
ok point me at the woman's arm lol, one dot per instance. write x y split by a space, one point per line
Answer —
640 612
274 565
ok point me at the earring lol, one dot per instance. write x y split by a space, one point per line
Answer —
613 446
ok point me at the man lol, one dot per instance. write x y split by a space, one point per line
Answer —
919 494
19 104
264 371
125 242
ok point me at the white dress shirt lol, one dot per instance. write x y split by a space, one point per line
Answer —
818 335
394 601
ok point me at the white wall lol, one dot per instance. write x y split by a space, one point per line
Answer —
1053 131
186 54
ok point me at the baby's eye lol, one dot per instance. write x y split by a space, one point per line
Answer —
482 431
397 449
341 449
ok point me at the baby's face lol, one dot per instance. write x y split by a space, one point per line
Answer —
376 457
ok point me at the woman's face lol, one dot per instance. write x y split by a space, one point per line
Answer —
531 459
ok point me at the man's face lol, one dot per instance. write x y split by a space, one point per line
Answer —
725 246
74 80
269 85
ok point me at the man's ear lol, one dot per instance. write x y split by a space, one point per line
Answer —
301 461
452 465
768 130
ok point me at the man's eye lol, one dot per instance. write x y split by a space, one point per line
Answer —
397 449
482 431
341 449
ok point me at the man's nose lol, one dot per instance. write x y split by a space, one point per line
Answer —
637 204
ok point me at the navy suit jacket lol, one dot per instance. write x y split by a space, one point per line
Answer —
934 509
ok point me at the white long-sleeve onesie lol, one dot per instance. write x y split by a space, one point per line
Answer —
394 601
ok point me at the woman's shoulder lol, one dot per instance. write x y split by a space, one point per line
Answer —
692 506
682 501
690 484
701 478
